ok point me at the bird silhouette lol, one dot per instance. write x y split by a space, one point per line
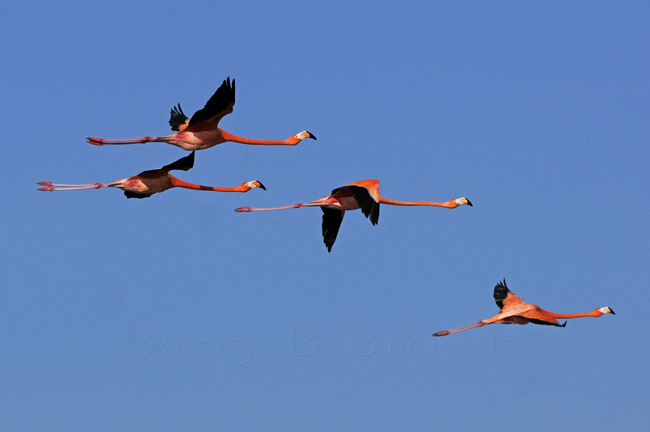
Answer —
150 182
202 131
362 195
515 311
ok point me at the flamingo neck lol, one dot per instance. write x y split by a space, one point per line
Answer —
595 313
448 204
180 183
234 138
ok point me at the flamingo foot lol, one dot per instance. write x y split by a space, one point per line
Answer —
242 209
441 333
95 141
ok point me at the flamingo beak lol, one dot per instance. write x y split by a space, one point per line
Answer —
312 136
611 311
469 203
261 185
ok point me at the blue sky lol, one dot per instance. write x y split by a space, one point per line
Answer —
176 313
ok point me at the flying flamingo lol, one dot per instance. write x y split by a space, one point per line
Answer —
515 311
363 194
202 131
150 182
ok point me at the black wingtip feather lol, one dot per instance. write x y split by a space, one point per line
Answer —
331 223
542 322
184 164
220 100
130 194
177 118
500 293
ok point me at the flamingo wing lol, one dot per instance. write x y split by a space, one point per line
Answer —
505 298
185 163
130 194
177 118
369 206
538 316
218 105
332 219
546 322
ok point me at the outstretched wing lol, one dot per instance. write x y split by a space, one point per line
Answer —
505 298
369 207
332 219
177 118
219 105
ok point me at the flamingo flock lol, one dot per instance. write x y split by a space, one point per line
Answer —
202 131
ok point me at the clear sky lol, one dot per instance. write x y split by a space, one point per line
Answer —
176 313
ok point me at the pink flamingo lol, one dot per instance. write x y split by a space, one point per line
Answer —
202 131
363 194
150 182
515 311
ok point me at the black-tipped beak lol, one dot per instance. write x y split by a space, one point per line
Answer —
312 136
469 203
611 311
261 185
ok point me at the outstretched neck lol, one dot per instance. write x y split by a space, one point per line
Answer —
234 138
448 204
595 313
180 183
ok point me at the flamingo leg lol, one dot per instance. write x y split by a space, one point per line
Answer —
448 332
252 209
66 187
102 141
312 204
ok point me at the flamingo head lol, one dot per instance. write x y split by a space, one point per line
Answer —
254 184
462 201
304 134
605 310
